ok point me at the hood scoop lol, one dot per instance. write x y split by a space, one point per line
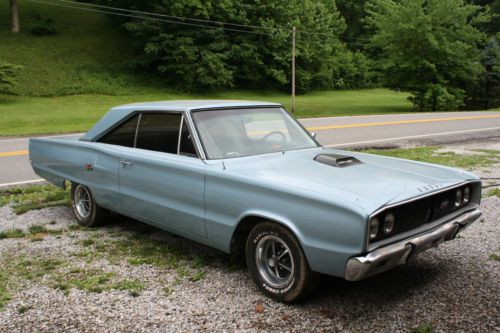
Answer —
337 160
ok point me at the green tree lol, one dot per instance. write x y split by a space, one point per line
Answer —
485 92
7 75
427 47
196 58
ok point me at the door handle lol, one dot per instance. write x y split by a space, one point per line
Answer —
127 163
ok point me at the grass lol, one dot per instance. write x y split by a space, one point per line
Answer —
21 115
69 80
24 199
22 309
35 233
12 233
86 56
60 275
494 256
494 193
5 295
430 154
424 328
140 249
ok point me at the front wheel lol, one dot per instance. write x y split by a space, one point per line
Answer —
277 263
86 210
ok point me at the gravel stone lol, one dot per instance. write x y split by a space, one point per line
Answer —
453 288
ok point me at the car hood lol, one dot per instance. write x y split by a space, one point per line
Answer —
371 184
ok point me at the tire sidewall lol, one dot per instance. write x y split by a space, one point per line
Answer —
293 289
89 220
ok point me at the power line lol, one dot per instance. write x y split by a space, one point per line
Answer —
148 18
174 17
177 20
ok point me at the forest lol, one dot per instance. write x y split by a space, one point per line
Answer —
444 53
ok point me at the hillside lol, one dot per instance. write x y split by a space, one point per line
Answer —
87 55
70 79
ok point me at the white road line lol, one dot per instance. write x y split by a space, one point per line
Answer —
23 182
414 136
336 145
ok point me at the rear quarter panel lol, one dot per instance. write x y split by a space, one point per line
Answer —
60 159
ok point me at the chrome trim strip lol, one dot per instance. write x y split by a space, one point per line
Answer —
194 134
179 136
389 256
368 246
137 129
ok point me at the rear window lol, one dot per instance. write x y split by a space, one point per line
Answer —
123 134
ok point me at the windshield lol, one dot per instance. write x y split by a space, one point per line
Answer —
244 132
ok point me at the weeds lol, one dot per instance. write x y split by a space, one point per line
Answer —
494 193
423 328
494 256
481 157
24 199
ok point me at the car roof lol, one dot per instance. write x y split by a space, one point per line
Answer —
188 105
118 113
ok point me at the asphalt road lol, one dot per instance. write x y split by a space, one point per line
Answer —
357 131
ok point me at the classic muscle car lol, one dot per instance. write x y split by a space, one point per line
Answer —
245 177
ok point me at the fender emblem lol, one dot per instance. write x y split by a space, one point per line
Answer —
88 166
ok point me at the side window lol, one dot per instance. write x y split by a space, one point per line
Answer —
186 146
159 132
123 135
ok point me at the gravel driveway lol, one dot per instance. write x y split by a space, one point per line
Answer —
72 279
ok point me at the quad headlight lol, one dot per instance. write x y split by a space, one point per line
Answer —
458 198
374 227
466 198
389 223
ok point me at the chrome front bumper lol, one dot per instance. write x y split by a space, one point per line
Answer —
392 255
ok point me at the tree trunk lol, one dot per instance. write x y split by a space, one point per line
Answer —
14 16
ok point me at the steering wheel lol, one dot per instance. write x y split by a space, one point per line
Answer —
268 135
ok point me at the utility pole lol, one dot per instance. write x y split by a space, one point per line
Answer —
293 69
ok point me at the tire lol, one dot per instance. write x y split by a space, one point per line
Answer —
86 210
277 263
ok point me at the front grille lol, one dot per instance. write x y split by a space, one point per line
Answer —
422 211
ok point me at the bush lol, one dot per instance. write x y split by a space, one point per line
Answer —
437 98
42 26
352 70
7 75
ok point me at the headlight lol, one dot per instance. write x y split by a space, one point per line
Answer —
458 198
389 222
374 226
466 195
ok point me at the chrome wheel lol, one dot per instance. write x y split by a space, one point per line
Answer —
274 261
82 201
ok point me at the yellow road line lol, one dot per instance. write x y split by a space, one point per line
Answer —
14 153
323 128
399 122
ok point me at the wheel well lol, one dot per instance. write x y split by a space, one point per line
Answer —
240 235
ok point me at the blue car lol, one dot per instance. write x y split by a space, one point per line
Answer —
245 177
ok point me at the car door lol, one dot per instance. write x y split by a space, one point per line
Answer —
161 178
101 164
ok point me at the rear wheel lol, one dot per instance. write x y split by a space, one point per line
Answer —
86 210
277 263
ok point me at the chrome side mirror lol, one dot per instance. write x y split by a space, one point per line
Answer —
314 134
